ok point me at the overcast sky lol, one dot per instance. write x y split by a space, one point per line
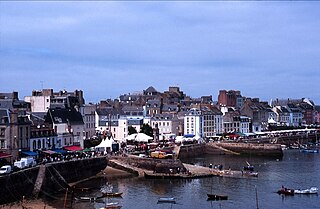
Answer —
264 49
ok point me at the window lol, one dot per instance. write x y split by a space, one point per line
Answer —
2 132
34 145
2 144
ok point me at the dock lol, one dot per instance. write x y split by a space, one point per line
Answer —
189 171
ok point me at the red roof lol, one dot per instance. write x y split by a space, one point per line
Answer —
4 155
49 152
73 148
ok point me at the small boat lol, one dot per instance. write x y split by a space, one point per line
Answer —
85 199
166 200
112 207
249 171
217 197
312 190
310 150
112 194
285 191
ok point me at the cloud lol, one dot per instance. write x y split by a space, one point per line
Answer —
107 48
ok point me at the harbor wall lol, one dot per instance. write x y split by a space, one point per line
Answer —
16 185
191 150
253 149
57 176
133 164
213 148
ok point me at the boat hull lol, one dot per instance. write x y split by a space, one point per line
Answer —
217 197
166 200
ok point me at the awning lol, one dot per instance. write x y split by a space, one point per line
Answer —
29 153
73 148
49 152
60 151
4 155
87 150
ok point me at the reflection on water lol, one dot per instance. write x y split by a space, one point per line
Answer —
295 170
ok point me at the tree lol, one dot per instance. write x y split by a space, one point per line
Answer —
146 129
132 130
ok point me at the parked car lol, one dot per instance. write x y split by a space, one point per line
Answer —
5 169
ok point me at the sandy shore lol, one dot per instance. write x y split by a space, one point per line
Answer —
28 204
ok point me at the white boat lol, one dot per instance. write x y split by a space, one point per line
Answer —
166 200
312 190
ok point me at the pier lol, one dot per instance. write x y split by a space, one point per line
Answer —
171 169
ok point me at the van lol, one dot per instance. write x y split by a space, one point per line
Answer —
158 154
20 164
5 169
29 161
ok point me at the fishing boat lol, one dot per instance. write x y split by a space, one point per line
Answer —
312 190
107 194
112 207
112 194
310 150
217 197
85 199
212 196
285 191
249 170
106 191
166 200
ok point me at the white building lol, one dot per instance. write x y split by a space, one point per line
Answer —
193 123
245 124
163 122
40 100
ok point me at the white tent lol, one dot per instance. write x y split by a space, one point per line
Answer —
139 137
105 145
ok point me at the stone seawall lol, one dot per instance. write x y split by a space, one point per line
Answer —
272 150
191 150
56 178
137 165
16 185
58 175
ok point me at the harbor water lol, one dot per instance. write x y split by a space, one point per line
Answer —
295 170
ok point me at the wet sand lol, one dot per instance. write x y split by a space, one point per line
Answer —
28 204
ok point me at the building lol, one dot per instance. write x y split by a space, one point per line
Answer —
230 98
68 124
154 107
88 116
212 121
106 119
218 121
245 124
42 100
193 123
14 133
42 134
164 122
296 115
283 115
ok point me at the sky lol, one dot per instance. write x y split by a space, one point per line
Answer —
268 49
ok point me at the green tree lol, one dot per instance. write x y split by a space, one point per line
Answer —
146 129
132 130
